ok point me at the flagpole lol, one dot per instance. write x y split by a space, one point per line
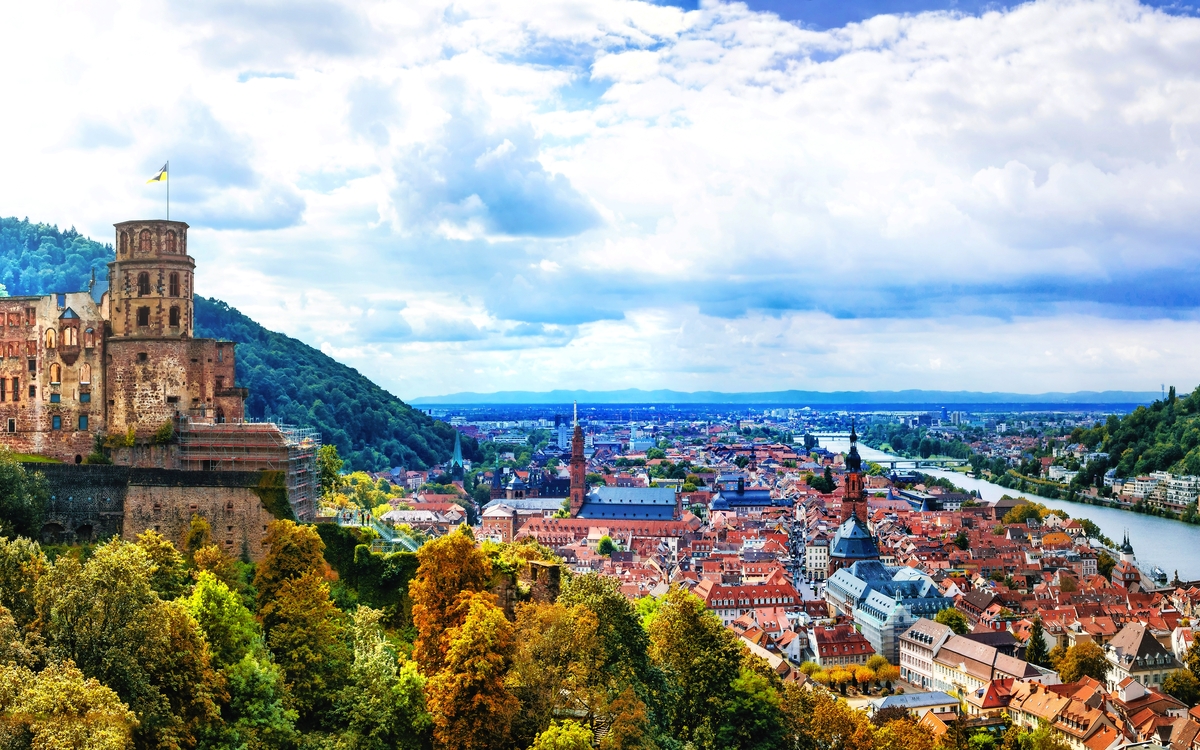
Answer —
168 189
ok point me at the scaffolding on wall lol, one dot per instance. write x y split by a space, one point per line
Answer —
255 446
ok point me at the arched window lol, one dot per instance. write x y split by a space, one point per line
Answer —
170 241
51 338
89 338
143 284
55 373
13 349
143 316
124 243
85 374
174 317
144 241
173 284
70 336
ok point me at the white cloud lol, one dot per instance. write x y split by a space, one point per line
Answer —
610 193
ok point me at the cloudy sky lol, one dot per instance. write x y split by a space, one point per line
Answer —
488 195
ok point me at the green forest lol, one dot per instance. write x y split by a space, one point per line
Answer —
289 381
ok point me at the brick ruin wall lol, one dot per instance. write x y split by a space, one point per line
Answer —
95 502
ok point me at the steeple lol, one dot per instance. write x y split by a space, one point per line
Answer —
456 462
578 467
854 493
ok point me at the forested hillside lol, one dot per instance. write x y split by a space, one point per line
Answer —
1164 436
288 380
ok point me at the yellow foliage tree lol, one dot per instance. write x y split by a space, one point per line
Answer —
449 571
61 710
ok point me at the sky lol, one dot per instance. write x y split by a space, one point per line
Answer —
601 194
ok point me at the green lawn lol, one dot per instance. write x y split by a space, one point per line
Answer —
33 458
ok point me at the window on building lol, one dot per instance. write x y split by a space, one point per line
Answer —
55 373
143 317
60 300
55 398
123 243
83 422
3 389
173 284
56 422
85 373
14 349
32 391
12 425
144 241
220 354
89 338
70 336
30 316
143 284
173 317
32 365
169 242
85 397
51 338
143 356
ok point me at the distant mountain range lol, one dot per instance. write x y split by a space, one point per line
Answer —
792 398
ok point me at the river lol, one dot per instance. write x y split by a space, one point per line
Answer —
1170 545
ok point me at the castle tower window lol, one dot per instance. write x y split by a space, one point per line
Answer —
144 241
143 284
143 317
13 349
70 336
51 338
123 243
3 389
169 245
55 373
61 300
30 316
56 422
12 425
89 338
83 422
85 374
174 285
174 317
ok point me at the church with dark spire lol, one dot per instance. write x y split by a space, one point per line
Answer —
852 541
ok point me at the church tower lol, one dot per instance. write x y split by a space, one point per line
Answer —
150 282
578 468
854 500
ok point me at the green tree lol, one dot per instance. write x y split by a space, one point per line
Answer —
199 535
702 659
1105 564
256 716
1036 651
1085 659
23 498
1183 685
307 634
170 576
954 620
605 546
329 470
753 720
471 705
228 626
383 707
1191 659
564 735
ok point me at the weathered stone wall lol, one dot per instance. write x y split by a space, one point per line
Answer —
94 502
51 366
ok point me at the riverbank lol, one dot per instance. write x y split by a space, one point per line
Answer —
1158 542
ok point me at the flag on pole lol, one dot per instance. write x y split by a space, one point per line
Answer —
161 176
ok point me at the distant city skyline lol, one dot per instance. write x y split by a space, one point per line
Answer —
611 194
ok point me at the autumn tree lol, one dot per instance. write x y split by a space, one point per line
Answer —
450 570
1084 659
558 664
106 618
628 724
199 535
564 735
954 620
472 708
212 559
307 634
22 565
293 551
903 734
834 725
383 706
1183 686
60 709
228 626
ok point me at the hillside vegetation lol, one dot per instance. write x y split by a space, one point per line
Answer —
289 381
1164 436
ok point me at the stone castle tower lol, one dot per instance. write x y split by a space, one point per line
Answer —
578 468
157 369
